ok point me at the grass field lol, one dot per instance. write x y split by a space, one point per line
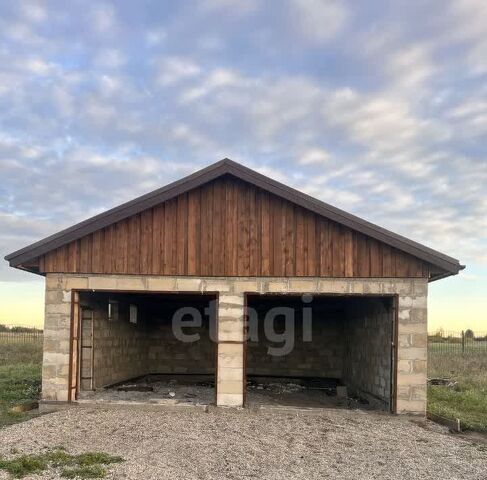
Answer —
467 399
20 377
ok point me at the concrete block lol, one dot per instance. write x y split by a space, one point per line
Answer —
131 283
246 286
404 366
102 283
420 302
231 312
230 375
188 285
413 328
229 399
54 296
412 379
161 284
412 353
225 300
74 282
417 407
229 386
419 339
277 286
230 355
420 288
216 285
61 308
419 366
307 285
405 302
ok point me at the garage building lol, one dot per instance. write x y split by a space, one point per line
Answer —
232 282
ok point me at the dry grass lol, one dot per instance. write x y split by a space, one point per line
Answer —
20 377
467 399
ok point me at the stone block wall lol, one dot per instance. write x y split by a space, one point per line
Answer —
119 347
412 327
367 359
166 354
321 357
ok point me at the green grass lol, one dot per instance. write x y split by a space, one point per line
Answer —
84 465
467 399
20 378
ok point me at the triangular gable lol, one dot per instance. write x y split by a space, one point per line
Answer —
363 248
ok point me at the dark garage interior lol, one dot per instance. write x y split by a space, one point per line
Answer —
333 342
130 348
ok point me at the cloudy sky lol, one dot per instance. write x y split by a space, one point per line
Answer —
380 111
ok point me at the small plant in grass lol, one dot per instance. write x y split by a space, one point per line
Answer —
84 465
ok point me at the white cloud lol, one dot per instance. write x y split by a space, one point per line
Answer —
317 21
314 156
103 17
33 11
174 69
109 58
232 7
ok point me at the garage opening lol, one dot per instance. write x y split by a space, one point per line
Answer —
138 347
320 351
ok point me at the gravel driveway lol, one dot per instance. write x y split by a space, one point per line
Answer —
234 445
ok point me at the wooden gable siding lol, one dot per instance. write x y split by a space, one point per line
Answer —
231 228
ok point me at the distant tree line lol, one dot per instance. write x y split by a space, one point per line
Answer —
13 328
440 336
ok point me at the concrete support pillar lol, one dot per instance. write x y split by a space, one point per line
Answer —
230 357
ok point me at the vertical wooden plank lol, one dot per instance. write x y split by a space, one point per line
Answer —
97 260
386 261
402 265
349 259
182 228
416 269
254 233
85 254
146 241
265 233
206 228
289 248
106 249
73 257
338 247
375 259
363 256
169 253
231 237
157 239
278 236
134 245
217 249
310 225
120 252
194 232
61 258
243 235
326 253
42 264
300 256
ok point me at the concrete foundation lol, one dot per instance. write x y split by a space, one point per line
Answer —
411 314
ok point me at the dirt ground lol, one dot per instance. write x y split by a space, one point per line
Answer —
229 444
